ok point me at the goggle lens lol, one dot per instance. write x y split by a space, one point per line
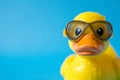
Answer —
102 30
75 29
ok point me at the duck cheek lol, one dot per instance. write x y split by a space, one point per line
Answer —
75 46
101 47
71 45
106 44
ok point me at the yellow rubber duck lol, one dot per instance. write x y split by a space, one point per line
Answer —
94 57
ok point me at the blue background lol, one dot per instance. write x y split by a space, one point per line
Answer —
31 43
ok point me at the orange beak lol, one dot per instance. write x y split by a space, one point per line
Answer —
88 45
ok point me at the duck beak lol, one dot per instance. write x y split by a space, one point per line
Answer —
88 45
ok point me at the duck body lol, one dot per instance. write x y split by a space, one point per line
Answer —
90 68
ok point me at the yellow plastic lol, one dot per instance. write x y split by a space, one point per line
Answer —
105 66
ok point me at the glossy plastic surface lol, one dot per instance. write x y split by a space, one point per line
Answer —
103 66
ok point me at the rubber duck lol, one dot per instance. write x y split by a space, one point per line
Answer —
94 59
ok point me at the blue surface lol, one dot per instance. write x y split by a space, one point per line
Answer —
31 43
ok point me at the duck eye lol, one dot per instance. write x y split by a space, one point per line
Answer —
75 29
78 31
102 30
99 31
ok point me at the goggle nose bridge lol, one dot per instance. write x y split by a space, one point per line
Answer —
90 26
